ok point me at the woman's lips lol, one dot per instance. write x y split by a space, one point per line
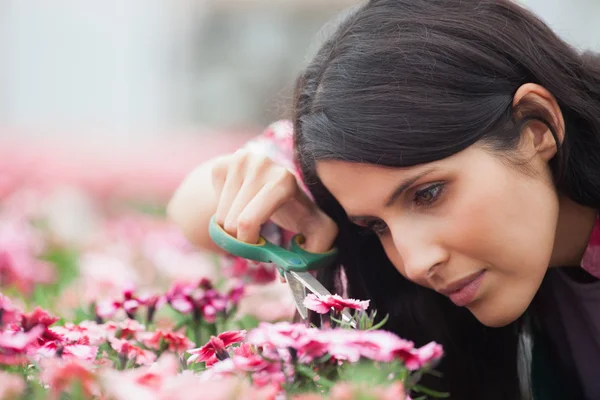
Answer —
463 292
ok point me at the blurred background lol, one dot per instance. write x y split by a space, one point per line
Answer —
145 89
105 105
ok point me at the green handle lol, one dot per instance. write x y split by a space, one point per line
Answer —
296 260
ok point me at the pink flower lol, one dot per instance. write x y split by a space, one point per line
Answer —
185 386
8 312
80 350
127 329
140 383
216 347
129 351
60 375
105 275
263 372
279 335
201 299
255 272
95 334
130 303
107 308
18 341
380 345
20 245
152 303
236 293
37 317
425 355
270 302
173 341
323 305
11 385
351 390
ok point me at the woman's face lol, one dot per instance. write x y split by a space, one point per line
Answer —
469 226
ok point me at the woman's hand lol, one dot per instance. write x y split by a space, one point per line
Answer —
251 189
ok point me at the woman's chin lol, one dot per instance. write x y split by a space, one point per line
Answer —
496 317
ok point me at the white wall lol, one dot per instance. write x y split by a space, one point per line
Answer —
577 21
145 67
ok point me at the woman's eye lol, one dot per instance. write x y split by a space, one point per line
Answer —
378 227
429 195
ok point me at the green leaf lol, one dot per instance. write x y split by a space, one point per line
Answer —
380 324
430 392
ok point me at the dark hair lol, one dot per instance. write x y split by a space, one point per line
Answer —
405 82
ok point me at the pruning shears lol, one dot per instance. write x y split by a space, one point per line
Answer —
293 264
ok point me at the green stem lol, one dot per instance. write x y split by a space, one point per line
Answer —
196 326
310 374
181 324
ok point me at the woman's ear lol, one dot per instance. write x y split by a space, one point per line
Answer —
537 137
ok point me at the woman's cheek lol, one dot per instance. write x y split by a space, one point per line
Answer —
392 253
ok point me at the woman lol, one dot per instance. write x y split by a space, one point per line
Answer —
452 149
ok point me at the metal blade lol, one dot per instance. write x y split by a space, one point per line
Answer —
307 281
298 293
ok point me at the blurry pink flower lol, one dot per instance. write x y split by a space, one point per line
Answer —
96 334
18 341
105 276
254 272
144 383
8 312
128 301
167 249
199 298
308 396
11 386
216 347
263 372
236 293
184 386
80 350
105 309
270 302
179 296
126 329
152 302
380 345
279 335
174 341
73 333
424 355
351 390
19 359
323 305
60 375
129 351
20 245
37 317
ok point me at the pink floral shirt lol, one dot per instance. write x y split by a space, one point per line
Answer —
591 257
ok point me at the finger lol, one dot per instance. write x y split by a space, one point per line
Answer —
231 187
248 190
219 175
255 173
258 211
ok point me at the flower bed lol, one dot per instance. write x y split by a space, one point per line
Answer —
103 298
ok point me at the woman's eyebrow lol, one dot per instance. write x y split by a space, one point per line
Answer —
401 188
405 184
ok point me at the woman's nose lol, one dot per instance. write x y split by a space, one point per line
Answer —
420 256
